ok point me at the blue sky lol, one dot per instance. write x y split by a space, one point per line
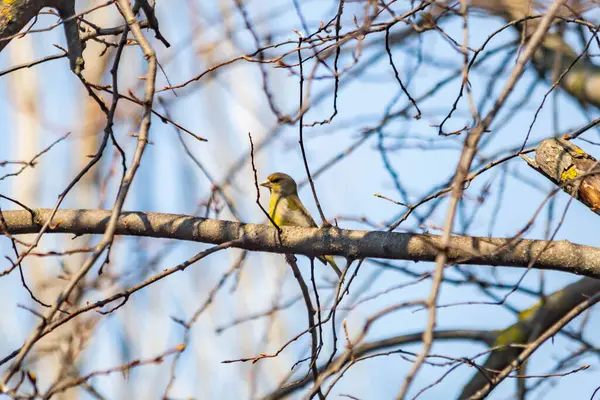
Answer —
224 108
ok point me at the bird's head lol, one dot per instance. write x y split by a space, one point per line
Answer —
280 183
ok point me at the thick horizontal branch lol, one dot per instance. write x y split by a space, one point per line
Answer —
354 244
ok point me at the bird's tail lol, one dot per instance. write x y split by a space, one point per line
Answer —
329 260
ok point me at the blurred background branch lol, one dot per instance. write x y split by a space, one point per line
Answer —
382 97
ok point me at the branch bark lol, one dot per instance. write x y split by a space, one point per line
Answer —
570 168
354 244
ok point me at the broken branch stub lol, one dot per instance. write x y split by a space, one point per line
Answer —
570 168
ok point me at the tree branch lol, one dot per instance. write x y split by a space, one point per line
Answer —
513 252
532 324
14 15
570 168
566 312
487 337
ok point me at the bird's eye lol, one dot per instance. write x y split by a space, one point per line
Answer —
275 180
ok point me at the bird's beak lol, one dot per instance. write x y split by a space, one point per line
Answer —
266 184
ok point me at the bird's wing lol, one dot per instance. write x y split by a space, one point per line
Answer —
301 217
292 212
298 215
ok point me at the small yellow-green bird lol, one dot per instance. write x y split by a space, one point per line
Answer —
286 209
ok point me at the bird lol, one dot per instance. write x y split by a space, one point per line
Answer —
286 209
